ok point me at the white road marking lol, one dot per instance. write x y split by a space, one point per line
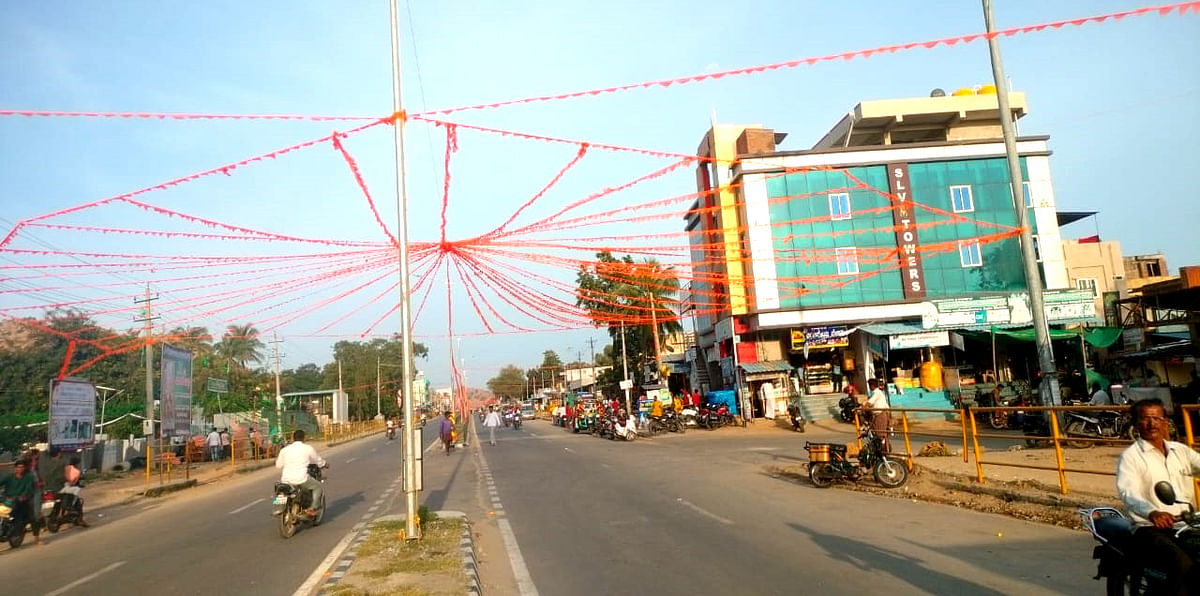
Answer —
703 512
534 436
374 449
318 574
432 445
85 579
568 449
520 571
351 459
245 507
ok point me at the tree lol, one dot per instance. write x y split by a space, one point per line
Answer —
509 383
550 360
630 298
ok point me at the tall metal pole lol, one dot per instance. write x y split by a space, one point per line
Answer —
412 530
378 409
278 394
625 366
1033 280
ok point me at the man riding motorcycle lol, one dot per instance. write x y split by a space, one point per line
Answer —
294 460
1149 460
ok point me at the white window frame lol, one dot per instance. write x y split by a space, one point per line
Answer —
1094 286
849 256
964 249
1037 247
970 198
834 197
1026 192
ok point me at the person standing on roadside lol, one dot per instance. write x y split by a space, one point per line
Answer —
213 441
1100 397
491 421
878 406
447 431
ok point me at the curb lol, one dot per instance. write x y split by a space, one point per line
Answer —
158 491
467 544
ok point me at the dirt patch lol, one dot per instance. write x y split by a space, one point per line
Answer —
388 565
1029 500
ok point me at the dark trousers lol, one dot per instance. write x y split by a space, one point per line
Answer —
23 514
1159 551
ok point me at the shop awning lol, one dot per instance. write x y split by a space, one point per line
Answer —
1100 337
770 366
888 329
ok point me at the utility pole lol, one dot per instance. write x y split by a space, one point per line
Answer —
278 395
378 411
148 319
1049 392
625 366
592 345
412 484
654 331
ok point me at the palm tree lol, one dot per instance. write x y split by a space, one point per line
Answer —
240 345
196 340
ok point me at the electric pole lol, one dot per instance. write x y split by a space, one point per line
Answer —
1049 393
592 345
625 366
278 395
148 318
378 410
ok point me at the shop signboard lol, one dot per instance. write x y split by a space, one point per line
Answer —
928 339
905 218
72 413
827 337
175 392
797 340
1011 310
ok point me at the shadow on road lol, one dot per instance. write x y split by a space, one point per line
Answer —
869 557
342 505
436 499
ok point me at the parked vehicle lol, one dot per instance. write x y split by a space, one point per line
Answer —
1119 566
625 428
291 503
1094 425
846 407
828 462
528 412
689 413
65 508
8 525
796 418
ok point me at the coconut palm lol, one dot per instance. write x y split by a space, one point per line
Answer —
240 345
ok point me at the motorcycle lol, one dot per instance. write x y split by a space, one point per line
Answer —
291 503
65 508
625 429
1094 425
796 418
1119 565
688 414
391 432
828 462
516 420
846 407
8 525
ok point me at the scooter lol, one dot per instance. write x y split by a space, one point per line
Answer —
8 525
796 418
1118 564
626 430
688 414
291 503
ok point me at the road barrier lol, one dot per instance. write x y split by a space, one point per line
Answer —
1057 439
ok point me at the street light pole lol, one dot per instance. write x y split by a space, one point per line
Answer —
1033 279
625 366
412 485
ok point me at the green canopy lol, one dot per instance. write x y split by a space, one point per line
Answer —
1100 337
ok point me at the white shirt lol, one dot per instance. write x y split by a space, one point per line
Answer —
1141 466
492 419
214 439
294 460
1100 398
878 400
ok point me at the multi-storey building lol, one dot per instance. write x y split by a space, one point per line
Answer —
892 242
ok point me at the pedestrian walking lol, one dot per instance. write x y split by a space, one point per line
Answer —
491 422
213 441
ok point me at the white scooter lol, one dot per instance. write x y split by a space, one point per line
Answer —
627 431
688 414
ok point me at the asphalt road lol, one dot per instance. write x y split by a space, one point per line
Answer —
700 514
214 539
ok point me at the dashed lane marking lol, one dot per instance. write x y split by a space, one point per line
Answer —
85 579
704 512
247 506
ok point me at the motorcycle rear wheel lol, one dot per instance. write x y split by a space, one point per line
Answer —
320 512
890 473
54 520
821 475
1076 428
288 520
680 427
998 420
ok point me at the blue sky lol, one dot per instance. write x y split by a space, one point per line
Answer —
1118 100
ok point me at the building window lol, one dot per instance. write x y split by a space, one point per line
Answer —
1037 248
969 255
847 260
1087 283
960 197
1027 191
839 206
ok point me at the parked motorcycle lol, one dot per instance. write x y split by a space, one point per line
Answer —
625 429
846 407
828 462
796 418
1119 565
688 415
1093 425
291 503
8 525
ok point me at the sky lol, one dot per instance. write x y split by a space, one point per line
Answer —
1116 98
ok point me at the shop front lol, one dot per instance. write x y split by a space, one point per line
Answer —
913 359
770 385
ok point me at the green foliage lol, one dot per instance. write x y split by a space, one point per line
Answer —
510 383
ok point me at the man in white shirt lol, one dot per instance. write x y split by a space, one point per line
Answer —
491 422
294 460
213 440
1149 460
1100 397
878 406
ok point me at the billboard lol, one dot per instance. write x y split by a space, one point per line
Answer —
175 392
72 413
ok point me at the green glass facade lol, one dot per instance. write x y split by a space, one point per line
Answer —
799 207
